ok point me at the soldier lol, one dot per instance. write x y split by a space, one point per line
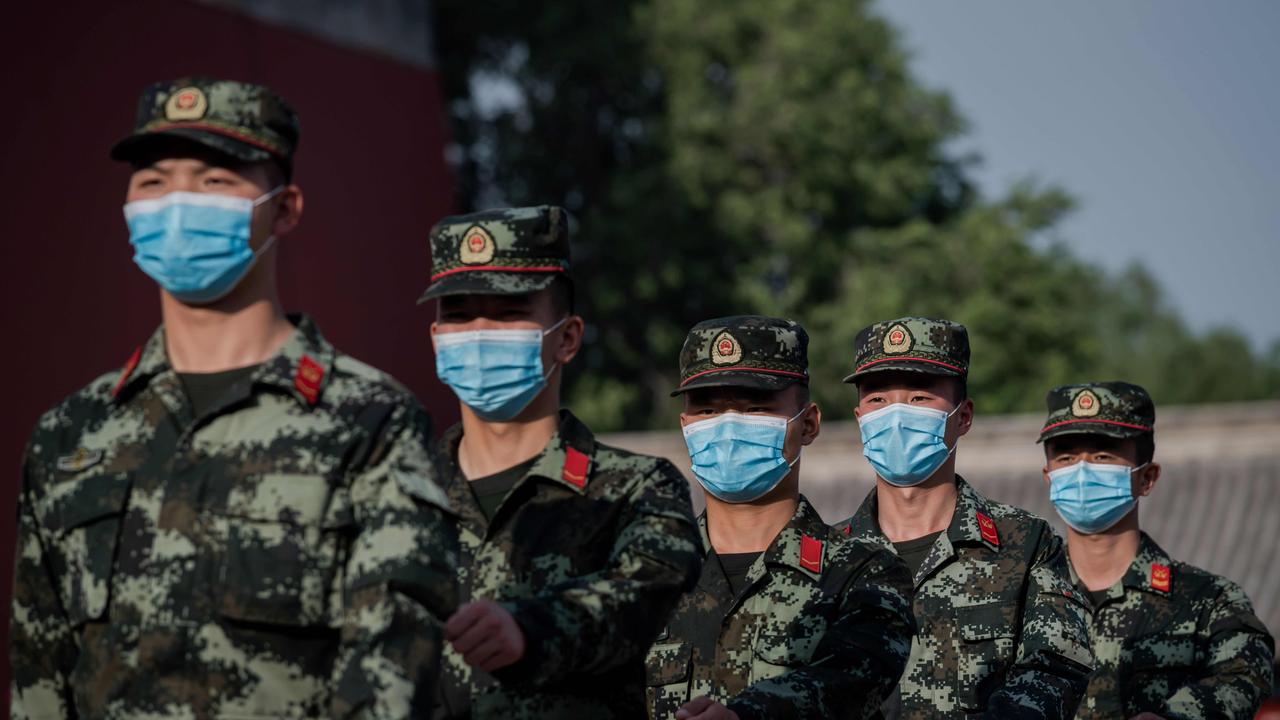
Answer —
1000 630
791 619
573 552
1170 640
240 522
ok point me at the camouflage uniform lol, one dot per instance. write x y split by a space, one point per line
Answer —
822 625
1001 631
286 553
589 551
1168 638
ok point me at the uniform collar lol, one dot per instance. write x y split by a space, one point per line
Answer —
971 524
300 368
966 526
790 548
568 458
1151 571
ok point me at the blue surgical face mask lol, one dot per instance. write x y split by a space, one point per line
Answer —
496 373
195 245
906 444
738 458
1091 497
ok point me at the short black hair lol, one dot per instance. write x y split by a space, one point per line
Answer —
1146 447
562 295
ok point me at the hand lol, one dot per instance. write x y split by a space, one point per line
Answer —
1146 716
704 708
485 635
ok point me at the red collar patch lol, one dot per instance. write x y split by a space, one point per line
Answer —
308 378
128 369
811 553
1161 578
576 466
987 527
848 529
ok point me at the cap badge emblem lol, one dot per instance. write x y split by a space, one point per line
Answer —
725 350
189 103
477 246
1085 404
898 340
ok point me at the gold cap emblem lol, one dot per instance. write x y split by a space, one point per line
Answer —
725 350
189 103
898 340
477 246
1085 404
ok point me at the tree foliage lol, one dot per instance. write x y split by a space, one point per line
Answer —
778 157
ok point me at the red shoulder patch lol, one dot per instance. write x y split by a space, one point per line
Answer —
127 370
308 378
576 466
810 553
1161 577
987 527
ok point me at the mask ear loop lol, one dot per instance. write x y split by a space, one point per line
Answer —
547 332
796 459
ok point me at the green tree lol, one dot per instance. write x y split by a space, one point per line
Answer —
777 156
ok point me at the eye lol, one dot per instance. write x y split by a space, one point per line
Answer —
757 409
920 398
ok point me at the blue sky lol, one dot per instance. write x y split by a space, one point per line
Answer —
1161 117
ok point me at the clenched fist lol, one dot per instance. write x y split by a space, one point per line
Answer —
485 635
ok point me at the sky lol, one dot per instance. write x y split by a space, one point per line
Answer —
1161 117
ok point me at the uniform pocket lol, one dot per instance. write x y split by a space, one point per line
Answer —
286 540
988 634
83 517
668 663
1156 665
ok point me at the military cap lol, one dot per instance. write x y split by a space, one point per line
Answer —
744 351
509 251
938 347
245 121
1117 409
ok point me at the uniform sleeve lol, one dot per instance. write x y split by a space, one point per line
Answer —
602 620
1238 671
1053 661
400 579
42 647
858 661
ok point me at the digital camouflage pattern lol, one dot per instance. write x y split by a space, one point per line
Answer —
914 344
1001 631
246 121
288 554
821 629
744 350
589 552
1174 640
509 251
1116 409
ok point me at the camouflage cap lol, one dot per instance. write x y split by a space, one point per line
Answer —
509 251
248 122
744 351
1116 409
938 347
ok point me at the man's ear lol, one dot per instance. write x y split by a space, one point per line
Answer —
288 210
1147 479
570 339
434 325
812 420
965 417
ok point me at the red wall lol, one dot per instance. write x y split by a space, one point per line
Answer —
370 163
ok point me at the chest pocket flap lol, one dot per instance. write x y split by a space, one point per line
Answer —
987 633
285 543
668 662
83 517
